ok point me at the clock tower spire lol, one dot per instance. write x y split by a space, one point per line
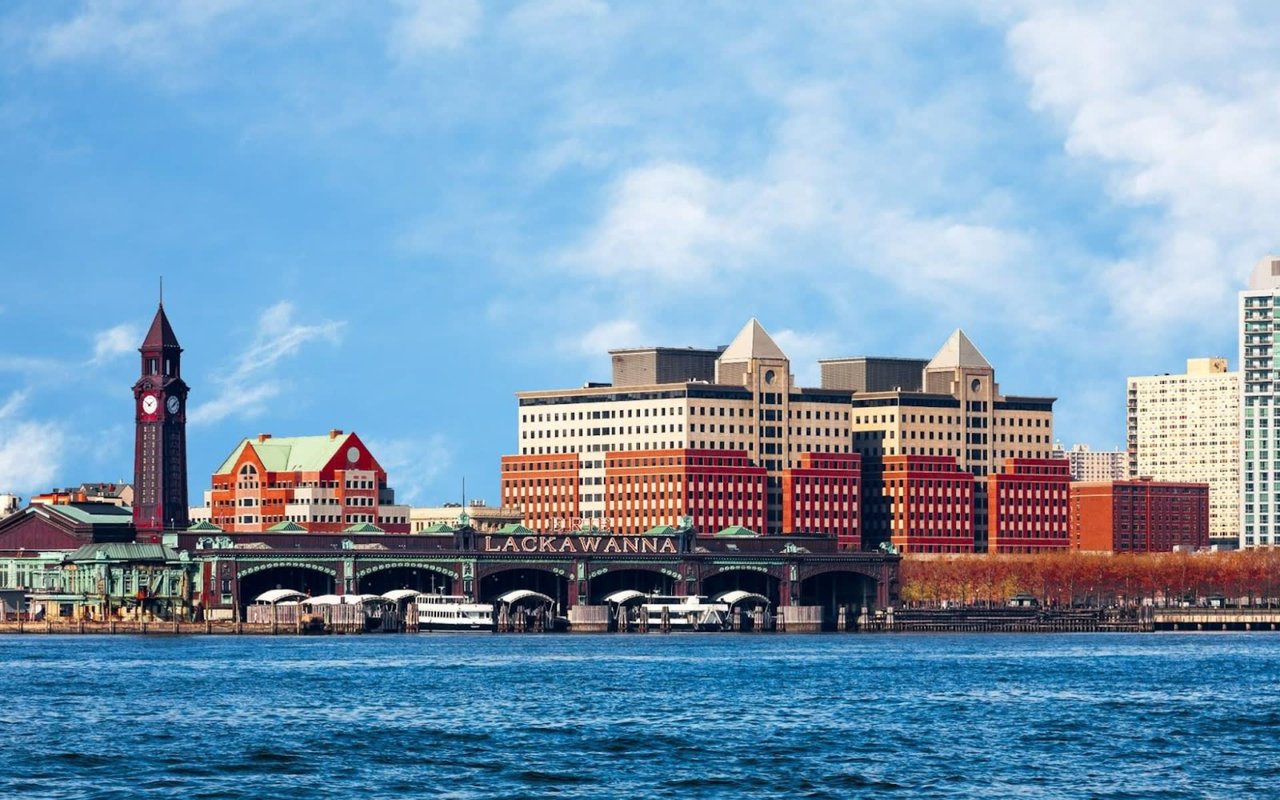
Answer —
160 442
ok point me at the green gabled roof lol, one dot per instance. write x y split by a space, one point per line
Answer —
515 529
289 453
204 526
736 530
96 513
439 527
287 526
661 530
363 527
123 551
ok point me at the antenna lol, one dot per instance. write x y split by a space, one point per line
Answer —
162 291
464 491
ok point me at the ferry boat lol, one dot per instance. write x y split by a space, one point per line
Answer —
692 613
450 612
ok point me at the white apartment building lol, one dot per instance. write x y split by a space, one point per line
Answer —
1260 407
1092 465
1187 428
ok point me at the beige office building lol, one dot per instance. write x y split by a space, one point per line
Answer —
738 400
477 514
962 414
1186 428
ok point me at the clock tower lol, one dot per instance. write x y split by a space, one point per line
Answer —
160 444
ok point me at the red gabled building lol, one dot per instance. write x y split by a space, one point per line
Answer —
820 495
931 504
1027 506
325 484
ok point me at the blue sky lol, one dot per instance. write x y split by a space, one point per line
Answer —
388 218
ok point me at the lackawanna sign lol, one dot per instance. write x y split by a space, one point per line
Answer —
582 544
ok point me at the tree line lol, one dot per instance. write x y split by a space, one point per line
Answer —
1071 578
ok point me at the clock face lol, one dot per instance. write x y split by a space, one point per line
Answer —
172 405
149 404
353 454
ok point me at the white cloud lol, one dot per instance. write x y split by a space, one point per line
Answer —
564 25
116 341
677 223
674 222
30 451
602 337
804 350
153 33
413 465
1179 103
252 381
431 25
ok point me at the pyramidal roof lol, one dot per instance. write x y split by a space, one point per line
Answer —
752 342
959 352
161 332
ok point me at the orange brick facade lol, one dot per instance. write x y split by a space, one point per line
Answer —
820 495
345 490
1139 516
544 487
931 504
1028 506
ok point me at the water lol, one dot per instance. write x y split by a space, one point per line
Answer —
1106 716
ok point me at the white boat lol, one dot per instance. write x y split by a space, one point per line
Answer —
692 613
451 612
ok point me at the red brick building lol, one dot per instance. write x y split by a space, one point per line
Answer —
820 495
1028 506
715 488
545 487
1139 516
931 504
324 484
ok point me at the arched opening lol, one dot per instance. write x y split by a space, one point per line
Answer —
428 581
746 580
835 590
308 580
539 580
649 581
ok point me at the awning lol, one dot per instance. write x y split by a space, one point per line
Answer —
396 595
737 596
275 596
511 598
625 596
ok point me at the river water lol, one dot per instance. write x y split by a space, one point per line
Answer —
684 715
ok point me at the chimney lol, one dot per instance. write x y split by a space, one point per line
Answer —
335 433
262 437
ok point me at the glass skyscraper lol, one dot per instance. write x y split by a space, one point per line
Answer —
1260 407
